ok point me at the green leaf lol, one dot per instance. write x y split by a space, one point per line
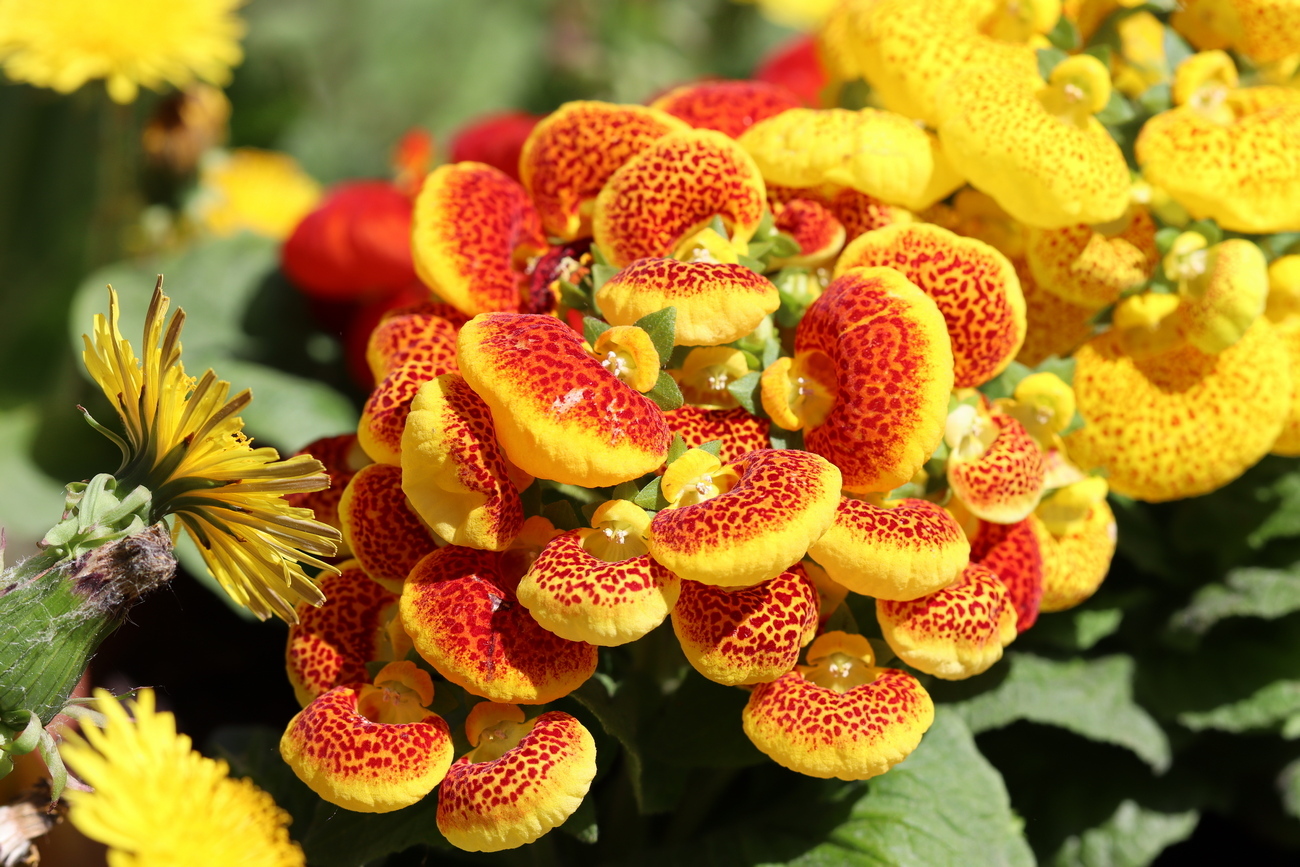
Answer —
745 390
713 447
593 328
1246 592
1078 629
711 713
1207 229
624 491
662 328
1277 703
1132 837
1064 35
561 514
1049 59
1092 698
650 497
1062 367
780 438
1176 48
1004 384
573 297
1165 238
1156 98
666 395
1117 110
1288 783
676 449
600 275
944 805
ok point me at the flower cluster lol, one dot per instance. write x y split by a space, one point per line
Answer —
775 355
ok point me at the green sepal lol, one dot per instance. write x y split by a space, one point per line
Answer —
651 498
593 328
713 447
666 395
1064 35
1049 59
662 328
745 391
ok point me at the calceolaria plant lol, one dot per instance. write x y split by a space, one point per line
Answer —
741 454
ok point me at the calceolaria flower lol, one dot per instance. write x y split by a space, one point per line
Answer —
184 443
156 802
62 44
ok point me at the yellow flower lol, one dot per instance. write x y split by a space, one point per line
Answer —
158 803
62 44
257 191
184 442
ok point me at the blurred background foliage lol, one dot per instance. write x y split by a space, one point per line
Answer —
1165 709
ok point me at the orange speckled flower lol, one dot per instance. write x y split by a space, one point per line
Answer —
371 749
574 151
558 412
423 333
342 457
383 418
1053 326
819 234
665 194
879 153
899 550
1227 154
385 534
839 716
1034 146
1013 553
715 302
954 633
730 107
995 467
522 779
1223 289
736 430
869 381
1264 29
706 376
908 49
453 470
749 635
474 229
745 522
1091 265
1179 423
1076 553
331 645
460 609
974 286
856 212
599 585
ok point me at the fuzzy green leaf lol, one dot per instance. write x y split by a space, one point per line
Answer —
1247 592
662 328
1276 704
1132 837
666 395
592 328
745 390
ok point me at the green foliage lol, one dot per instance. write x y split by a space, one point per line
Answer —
1247 592
1133 837
1276 704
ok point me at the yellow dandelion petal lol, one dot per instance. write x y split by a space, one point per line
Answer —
184 442
62 44
156 802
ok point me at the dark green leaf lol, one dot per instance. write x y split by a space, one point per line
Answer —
1208 229
624 491
1117 110
1276 704
561 514
1157 98
1092 698
676 449
713 447
711 713
1064 35
592 328
1049 59
1176 48
1132 837
1004 384
745 390
785 439
600 275
1246 592
662 328
1165 238
650 498
1102 51
666 395
573 297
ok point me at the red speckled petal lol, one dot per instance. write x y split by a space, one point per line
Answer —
716 303
460 609
815 229
474 229
1089 268
974 285
1005 483
893 365
1075 564
558 413
673 188
423 333
575 150
738 431
583 598
331 645
853 735
956 632
856 211
902 552
383 418
1181 423
751 635
453 470
496 139
337 454
783 502
361 765
530 789
1012 552
386 535
730 107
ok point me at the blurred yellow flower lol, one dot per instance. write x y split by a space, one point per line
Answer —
158 803
184 442
796 14
62 44
254 190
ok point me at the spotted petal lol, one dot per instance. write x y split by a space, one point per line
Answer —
386 535
1005 482
730 107
1089 267
423 333
1013 553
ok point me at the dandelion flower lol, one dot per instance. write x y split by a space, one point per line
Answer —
184 442
62 44
158 803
